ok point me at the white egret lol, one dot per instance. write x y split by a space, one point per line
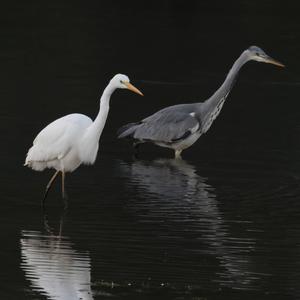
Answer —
72 140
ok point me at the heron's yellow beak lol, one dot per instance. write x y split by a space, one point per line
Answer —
272 61
133 88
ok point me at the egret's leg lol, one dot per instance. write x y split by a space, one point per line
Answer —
48 187
178 154
46 224
64 195
63 184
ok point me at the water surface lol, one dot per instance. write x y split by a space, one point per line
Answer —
223 223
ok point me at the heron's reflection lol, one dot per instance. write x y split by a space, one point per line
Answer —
173 186
186 206
53 267
172 178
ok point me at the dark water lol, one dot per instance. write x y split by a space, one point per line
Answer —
223 223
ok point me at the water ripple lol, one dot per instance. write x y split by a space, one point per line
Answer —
54 268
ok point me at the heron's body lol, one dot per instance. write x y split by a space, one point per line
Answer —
72 140
180 126
182 120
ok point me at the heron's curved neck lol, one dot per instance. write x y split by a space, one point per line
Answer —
234 71
227 85
97 126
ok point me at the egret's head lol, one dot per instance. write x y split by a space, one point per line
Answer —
255 53
121 81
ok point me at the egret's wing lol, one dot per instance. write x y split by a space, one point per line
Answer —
56 139
167 125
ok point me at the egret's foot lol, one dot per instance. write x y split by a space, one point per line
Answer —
47 227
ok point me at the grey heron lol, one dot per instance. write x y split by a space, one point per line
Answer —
180 126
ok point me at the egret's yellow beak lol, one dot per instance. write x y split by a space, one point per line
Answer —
133 88
272 61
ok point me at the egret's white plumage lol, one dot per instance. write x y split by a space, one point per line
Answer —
69 141
54 145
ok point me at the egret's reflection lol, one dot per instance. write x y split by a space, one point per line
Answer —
187 209
53 267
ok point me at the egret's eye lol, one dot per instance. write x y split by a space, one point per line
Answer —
121 81
257 54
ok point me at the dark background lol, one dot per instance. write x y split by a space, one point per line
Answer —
233 207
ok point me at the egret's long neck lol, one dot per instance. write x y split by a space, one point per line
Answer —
88 146
97 126
221 94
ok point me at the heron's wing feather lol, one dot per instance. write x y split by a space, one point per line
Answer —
167 126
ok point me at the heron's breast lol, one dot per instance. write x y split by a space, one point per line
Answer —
189 141
213 115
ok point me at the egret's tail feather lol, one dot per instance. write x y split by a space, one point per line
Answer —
34 160
37 165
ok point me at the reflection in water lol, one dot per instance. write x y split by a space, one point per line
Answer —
53 267
184 205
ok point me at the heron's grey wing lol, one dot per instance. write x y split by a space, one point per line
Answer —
167 126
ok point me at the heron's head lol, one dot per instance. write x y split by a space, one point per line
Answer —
121 81
255 53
